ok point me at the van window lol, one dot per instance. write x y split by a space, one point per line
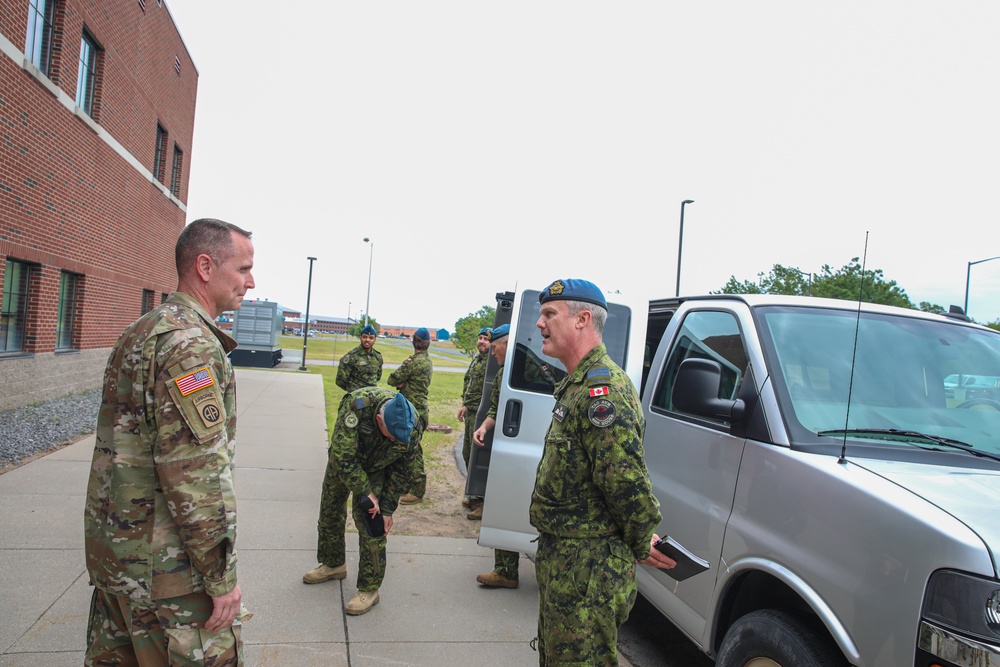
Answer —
530 370
711 335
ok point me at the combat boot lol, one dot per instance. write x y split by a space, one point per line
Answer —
477 511
318 575
362 603
467 503
409 499
495 580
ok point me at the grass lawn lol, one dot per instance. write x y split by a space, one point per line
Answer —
394 351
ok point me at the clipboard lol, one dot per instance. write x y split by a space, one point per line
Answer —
688 564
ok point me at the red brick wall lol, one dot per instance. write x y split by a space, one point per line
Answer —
68 200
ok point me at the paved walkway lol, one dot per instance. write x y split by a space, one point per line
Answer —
430 613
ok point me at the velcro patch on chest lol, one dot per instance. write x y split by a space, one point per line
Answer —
599 391
601 413
560 411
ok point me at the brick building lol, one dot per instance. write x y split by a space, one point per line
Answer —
97 102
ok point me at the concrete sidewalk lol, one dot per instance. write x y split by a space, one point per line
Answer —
431 611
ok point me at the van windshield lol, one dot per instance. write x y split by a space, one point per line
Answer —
926 377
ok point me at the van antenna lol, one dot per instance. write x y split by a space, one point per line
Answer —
854 353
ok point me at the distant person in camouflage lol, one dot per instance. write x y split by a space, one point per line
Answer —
593 502
372 453
160 518
361 366
505 563
472 396
413 379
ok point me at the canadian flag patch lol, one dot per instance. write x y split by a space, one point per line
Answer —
598 391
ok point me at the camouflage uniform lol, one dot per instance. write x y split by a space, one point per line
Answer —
594 508
504 562
160 519
358 369
472 395
362 461
413 378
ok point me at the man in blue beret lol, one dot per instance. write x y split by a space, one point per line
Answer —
373 453
361 366
472 396
413 379
593 503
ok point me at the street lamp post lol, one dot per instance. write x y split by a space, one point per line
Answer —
305 323
968 271
371 254
680 245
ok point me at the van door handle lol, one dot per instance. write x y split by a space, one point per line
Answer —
512 418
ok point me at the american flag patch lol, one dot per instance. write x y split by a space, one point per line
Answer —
598 391
192 382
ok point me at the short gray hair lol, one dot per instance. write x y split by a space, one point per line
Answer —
600 315
206 236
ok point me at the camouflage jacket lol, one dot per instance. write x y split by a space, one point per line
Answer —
160 517
475 377
413 379
359 369
358 448
495 394
592 479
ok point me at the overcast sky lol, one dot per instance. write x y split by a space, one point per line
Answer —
485 147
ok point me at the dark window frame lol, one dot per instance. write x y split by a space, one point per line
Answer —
160 153
148 300
88 73
175 176
40 34
67 335
14 308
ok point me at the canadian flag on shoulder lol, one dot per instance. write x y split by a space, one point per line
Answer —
598 391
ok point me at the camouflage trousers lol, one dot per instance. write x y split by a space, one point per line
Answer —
505 563
586 589
419 484
331 548
155 633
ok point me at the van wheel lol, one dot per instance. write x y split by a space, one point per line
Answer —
770 638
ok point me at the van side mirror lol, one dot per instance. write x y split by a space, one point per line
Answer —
696 391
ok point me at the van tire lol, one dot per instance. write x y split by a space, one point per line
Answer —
771 638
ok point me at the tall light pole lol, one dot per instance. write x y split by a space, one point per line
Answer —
968 271
305 324
368 299
680 245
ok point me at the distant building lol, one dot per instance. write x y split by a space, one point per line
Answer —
97 103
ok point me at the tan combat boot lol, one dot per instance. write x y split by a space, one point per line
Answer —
362 603
477 511
409 499
323 573
495 580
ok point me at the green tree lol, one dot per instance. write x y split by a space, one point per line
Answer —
355 329
931 308
467 328
995 324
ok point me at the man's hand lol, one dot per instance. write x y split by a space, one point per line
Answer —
461 413
387 520
224 610
656 558
375 508
479 436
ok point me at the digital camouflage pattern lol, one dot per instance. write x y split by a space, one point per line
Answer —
358 369
472 395
362 461
593 499
413 379
160 517
159 632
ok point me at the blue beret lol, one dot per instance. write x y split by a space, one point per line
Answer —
422 334
499 332
370 330
399 417
574 289
485 331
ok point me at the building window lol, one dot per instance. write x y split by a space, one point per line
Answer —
68 284
147 300
14 311
86 79
38 44
175 177
160 156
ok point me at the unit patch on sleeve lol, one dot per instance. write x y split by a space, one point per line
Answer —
208 408
601 413
598 391
351 420
194 381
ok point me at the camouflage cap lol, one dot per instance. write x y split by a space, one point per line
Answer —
399 417
499 332
573 289
370 330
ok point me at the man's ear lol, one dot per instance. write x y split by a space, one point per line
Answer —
203 265
582 318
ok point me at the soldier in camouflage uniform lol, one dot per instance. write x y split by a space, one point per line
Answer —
504 574
472 396
160 518
362 366
413 379
372 453
593 502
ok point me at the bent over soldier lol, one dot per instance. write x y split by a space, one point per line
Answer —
362 365
160 518
593 503
372 454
